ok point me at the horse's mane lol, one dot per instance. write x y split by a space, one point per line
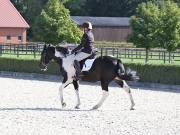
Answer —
62 49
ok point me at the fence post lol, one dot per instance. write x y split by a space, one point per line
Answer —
164 57
10 48
173 56
169 57
14 48
34 51
125 52
128 53
101 52
0 50
17 50
117 52
147 54
37 48
26 48
113 51
106 51
132 55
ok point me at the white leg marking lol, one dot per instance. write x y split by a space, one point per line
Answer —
128 90
61 92
78 99
61 95
103 98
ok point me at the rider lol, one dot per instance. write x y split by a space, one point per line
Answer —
85 48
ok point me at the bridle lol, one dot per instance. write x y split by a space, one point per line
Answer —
61 56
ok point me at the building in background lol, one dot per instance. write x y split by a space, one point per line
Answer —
115 29
12 25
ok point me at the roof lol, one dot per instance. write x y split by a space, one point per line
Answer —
102 21
10 17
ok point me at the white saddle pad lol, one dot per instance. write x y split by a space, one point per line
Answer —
88 64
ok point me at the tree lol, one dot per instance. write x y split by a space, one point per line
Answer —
177 1
157 25
115 8
145 26
54 25
169 33
29 9
76 7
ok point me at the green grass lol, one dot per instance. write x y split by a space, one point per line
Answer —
22 56
149 62
152 60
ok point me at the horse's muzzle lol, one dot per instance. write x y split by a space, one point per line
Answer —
43 67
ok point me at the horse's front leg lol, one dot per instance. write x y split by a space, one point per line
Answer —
63 85
61 95
76 87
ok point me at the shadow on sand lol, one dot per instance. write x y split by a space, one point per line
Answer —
46 109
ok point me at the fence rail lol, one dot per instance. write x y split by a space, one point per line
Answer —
141 54
132 54
21 49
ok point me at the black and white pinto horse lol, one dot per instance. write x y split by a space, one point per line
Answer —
104 69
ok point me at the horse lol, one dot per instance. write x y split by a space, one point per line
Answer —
104 69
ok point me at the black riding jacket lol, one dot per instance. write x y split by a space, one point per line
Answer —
86 44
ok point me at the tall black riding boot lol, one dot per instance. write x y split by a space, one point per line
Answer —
78 69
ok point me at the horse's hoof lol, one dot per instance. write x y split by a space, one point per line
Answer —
77 107
63 105
95 107
132 106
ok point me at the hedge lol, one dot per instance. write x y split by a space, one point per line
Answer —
27 66
166 74
154 73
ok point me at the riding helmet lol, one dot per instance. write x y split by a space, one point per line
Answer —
87 25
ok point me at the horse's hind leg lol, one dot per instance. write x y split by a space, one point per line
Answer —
126 87
76 87
105 94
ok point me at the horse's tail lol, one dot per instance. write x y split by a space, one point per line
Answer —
128 75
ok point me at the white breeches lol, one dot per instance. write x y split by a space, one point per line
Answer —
81 55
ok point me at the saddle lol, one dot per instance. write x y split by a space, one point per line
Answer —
84 64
